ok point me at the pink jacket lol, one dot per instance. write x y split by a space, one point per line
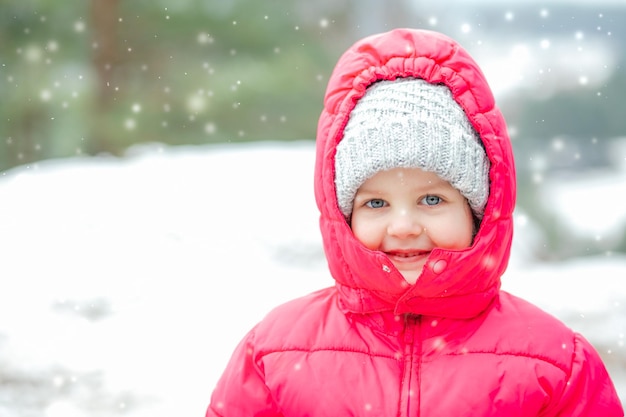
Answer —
451 345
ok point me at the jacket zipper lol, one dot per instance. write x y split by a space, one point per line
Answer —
410 388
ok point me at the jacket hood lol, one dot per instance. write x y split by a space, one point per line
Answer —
464 282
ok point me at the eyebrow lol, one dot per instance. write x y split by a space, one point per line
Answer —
439 182
369 190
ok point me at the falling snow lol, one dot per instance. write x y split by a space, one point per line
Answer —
123 269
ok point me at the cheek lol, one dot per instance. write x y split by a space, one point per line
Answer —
366 233
454 233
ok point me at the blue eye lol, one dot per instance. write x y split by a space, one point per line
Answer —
431 200
376 203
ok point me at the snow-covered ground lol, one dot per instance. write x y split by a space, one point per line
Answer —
128 282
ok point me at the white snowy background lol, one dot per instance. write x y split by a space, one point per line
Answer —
128 281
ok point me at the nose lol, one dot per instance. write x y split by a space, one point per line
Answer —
404 223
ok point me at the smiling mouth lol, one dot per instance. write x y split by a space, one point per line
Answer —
407 256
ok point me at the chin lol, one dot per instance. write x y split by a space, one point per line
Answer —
411 276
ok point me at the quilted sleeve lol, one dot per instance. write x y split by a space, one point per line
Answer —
589 392
241 390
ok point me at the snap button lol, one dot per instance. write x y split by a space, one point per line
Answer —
439 266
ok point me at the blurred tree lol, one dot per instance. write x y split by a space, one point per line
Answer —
41 85
581 113
103 75
107 74
104 18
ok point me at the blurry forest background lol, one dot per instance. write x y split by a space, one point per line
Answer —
80 78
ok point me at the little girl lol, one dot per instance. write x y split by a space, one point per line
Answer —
415 183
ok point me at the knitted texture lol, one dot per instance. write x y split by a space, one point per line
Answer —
410 123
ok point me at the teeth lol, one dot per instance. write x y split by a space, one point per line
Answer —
405 254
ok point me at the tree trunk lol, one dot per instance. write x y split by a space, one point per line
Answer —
104 21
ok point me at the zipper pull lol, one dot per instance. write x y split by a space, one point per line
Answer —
410 321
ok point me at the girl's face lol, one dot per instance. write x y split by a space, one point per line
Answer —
406 212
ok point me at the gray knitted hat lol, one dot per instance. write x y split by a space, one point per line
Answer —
411 123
